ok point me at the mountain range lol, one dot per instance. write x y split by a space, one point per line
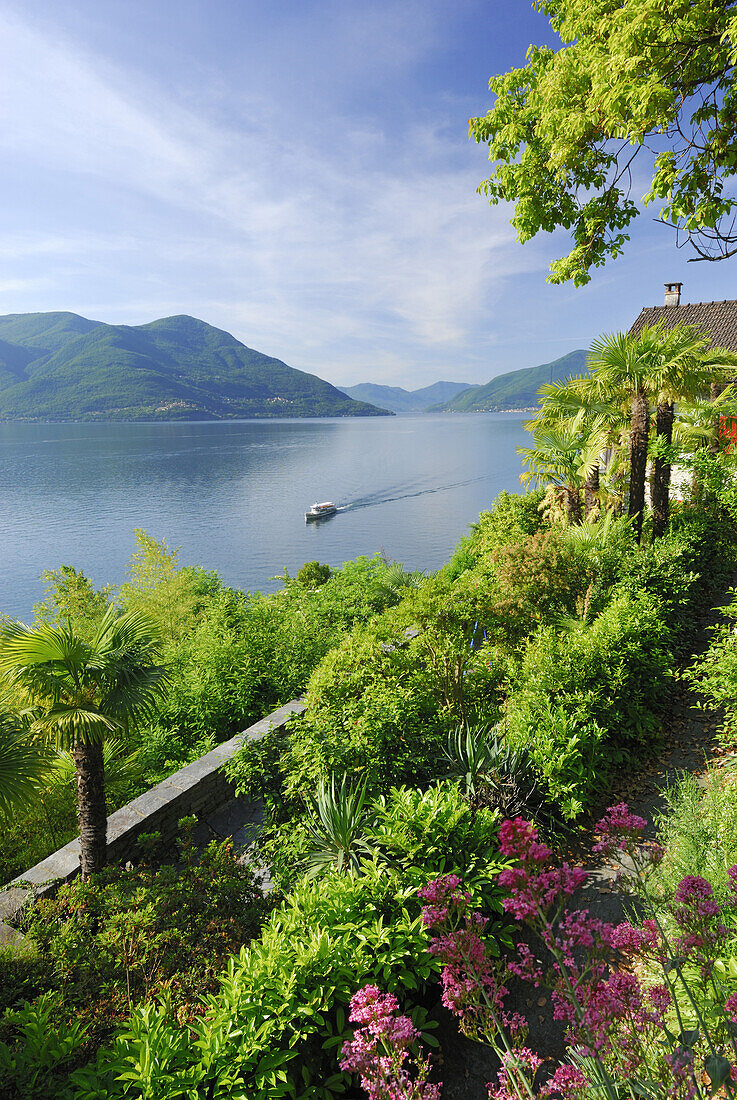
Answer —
515 390
398 400
60 366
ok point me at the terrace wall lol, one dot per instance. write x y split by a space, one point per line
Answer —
200 789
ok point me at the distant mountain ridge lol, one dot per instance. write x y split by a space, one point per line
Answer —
517 389
60 366
399 400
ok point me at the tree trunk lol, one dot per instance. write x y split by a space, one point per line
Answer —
591 488
638 458
660 483
572 504
91 809
716 389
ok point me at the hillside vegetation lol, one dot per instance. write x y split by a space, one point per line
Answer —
58 366
517 389
459 730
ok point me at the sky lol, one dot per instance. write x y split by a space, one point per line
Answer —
299 173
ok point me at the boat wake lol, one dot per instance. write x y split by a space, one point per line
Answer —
376 498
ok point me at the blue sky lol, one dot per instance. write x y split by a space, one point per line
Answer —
297 172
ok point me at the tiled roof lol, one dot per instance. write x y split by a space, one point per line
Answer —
716 319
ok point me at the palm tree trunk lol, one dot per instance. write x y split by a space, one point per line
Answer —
638 458
591 488
716 389
660 484
572 504
91 808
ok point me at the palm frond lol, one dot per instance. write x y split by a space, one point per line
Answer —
24 764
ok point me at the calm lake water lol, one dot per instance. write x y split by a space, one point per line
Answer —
232 495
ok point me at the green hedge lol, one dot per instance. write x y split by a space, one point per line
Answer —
586 698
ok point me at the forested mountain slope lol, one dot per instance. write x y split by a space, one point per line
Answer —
58 366
517 389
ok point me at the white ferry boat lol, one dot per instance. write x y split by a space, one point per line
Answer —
320 511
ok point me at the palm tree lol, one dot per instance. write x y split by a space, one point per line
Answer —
81 691
581 401
625 364
658 367
683 370
563 455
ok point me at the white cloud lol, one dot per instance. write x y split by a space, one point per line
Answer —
317 239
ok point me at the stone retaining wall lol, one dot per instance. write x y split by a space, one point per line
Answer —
198 789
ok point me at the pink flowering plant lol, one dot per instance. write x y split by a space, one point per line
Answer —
385 1050
644 1006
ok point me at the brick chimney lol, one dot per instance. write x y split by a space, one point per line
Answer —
673 294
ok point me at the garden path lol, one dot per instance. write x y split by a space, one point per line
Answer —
689 744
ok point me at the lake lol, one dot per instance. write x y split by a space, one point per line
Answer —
233 494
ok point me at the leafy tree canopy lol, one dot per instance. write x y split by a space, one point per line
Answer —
634 79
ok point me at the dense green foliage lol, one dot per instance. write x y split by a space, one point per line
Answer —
100 949
564 638
279 1015
57 366
232 657
517 389
584 700
105 946
633 79
542 651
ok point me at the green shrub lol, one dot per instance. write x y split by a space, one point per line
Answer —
437 830
698 830
535 581
23 975
312 574
276 1026
373 710
38 1064
514 518
583 700
107 944
714 673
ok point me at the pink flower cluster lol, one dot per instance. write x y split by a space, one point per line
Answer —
469 979
442 896
380 1048
627 939
532 890
515 1070
618 829
591 997
697 913
609 1014
566 1081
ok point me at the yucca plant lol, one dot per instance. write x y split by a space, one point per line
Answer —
337 824
492 772
471 751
